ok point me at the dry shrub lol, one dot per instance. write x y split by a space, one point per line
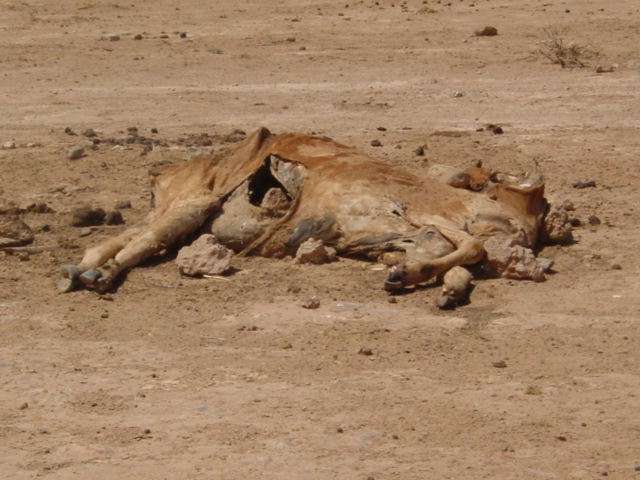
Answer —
567 55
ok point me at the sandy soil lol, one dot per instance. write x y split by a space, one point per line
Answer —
173 378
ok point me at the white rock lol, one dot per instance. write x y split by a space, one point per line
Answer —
314 251
9 145
205 256
75 153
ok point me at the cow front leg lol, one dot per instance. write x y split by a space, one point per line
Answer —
468 251
84 273
173 226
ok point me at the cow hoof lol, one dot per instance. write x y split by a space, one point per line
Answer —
102 284
446 302
396 280
69 278
89 278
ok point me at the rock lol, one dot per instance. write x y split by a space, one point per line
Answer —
113 37
512 261
86 216
113 217
154 130
376 143
486 32
381 129
456 283
137 36
365 351
603 69
122 205
315 252
68 131
594 220
557 226
419 152
584 184
75 153
291 39
86 231
90 133
236 136
183 34
14 232
24 406
311 304
10 145
500 364
616 266
205 256
497 130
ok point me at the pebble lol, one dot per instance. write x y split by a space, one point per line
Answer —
365 351
114 38
69 131
24 406
10 145
584 184
87 216
86 231
458 94
183 34
488 31
74 153
123 205
311 303
616 266
138 36
376 143
90 132
500 364
594 220
154 130
205 256
114 217
419 152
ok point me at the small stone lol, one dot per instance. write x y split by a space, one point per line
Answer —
311 304
24 406
545 263
584 184
114 37
291 39
10 145
123 205
487 32
419 152
69 131
500 364
302 48
154 130
32 145
594 220
114 217
340 430
86 216
603 69
616 266
637 467
86 231
315 252
205 256
365 351
381 129
562 438
104 315
458 94
137 36
376 143
14 232
75 153
392 300
147 431
497 130
90 133
183 34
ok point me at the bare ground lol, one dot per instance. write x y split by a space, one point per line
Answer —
232 378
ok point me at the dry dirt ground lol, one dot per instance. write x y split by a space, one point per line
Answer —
174 378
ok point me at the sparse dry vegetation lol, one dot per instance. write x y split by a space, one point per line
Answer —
567 55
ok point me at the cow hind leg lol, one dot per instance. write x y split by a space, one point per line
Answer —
417 270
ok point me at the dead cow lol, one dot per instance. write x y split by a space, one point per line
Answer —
274 192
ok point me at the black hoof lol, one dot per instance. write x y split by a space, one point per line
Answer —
69 278
90 277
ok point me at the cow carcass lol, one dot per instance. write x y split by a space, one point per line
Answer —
274 192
